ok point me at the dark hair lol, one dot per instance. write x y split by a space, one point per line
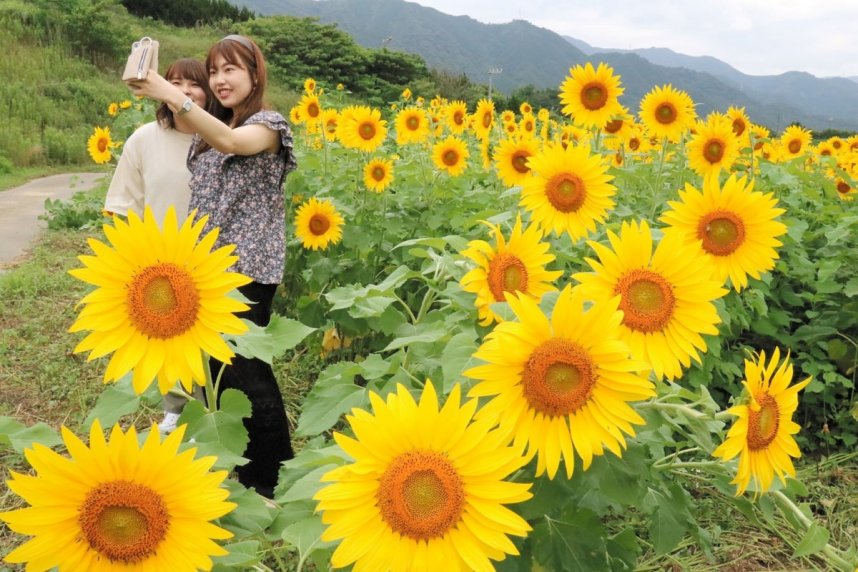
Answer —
241 51
184 68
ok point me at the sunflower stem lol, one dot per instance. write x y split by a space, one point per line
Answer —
833 554
685 410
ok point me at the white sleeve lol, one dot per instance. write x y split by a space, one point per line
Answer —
127 189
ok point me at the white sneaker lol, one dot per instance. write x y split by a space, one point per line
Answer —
168 423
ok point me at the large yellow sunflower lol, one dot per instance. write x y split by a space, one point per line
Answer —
412 125
667 112
450 155
161 301
514 266
456 113
99 145
795 141
309 108
591 96
736 225
425 490
378 174
118 506
713 147
666 295
484 118
762 435
318 224
561 385
361 127
569 190
511 158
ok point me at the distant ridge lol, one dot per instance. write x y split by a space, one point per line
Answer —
530 55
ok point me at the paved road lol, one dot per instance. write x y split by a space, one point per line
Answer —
20 208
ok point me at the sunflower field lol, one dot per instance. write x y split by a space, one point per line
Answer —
542 340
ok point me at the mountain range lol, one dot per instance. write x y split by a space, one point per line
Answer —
525 54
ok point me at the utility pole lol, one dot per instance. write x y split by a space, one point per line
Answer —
493 72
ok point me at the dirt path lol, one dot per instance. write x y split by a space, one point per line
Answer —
20 208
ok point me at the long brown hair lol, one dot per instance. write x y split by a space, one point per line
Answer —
184 68
241 51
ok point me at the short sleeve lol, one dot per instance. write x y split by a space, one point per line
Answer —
276 122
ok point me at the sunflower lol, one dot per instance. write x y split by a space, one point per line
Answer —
310 108
569 190
125 104
739 121
118 506
591 96
560 385
412 125
450 155
511 158
517 265
666 296
426 488
378 174
525 108
309 85
507 116
361 127
736 225
484 118
113 109
456 113
795 141
161 300
713 147
762 435
844 189
99 145
328 121
318 224
667 112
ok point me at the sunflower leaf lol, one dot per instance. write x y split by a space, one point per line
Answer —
19 437
812 542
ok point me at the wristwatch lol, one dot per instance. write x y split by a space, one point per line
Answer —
186 107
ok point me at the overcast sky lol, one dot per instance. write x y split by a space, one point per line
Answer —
757 37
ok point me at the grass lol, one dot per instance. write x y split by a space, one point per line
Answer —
42 380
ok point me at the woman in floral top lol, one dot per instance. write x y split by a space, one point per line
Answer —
238 162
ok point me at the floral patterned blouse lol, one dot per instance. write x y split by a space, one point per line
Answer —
243 195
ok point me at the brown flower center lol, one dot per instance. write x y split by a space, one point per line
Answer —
519 161
367 130
421 495
646 299
613 126
412 123
379 173
558 377
843 187
163 301
319 224
313 110
738 126
487 119
634 144
507 273
450 157
594 96
102 144
459 117
763 424
124 522
713 151
666 113
794 146
722 232
566 192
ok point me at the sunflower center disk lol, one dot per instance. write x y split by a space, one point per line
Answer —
102 145
794 146
459 118
378 174
843 187
666 113
519 162
594 96
163 301
713 151
722 232
558 378
412 123
319 224
487 120
763 424
366 131
566 192
125 522
738 126
313 110
450 157
507 273
634 143
420 495
613 126
646 299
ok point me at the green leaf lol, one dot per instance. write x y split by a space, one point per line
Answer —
306 486
220 433
279 335
333 394
241 556
251 516
423 332
458 355
851 287
19 437
117 400
306 535
575 542
812 542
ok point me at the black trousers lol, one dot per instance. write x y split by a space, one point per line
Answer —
267 427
